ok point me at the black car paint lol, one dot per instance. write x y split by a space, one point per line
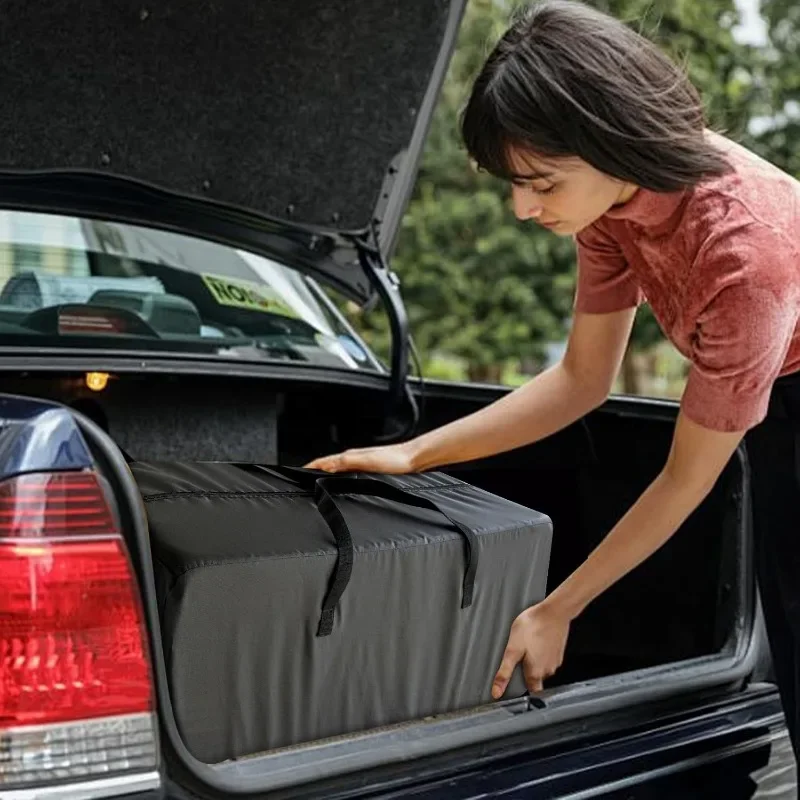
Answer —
625 751
715 751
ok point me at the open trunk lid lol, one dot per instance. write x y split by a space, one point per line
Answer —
281 128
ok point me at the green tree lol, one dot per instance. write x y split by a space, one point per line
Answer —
480 287
779 139
485 289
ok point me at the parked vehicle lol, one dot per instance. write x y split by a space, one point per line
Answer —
188 191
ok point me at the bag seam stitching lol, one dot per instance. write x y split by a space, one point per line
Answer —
151 498
258 559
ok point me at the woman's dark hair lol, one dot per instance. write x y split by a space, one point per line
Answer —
567 80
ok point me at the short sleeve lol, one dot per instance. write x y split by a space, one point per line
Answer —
606 282
741 340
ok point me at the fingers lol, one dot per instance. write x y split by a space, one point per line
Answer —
320 463
364 460
534 679
511 657
335 463
514 654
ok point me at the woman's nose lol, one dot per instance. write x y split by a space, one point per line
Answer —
526 204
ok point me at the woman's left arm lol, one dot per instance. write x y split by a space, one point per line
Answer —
539 635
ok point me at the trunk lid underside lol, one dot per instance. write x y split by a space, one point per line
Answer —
310 114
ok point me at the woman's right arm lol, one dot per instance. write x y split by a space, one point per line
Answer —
549 402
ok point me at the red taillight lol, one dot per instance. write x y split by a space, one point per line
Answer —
54 505
71 628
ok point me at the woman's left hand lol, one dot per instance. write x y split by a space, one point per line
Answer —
538 638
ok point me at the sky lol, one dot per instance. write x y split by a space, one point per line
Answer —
752 29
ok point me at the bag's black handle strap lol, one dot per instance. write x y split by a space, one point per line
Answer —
344 561
310 482
373 487
325 486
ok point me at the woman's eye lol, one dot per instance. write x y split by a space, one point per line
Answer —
530 187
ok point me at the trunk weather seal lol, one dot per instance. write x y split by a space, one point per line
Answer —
387 287
144 363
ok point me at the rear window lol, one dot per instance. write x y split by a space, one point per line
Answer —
69 282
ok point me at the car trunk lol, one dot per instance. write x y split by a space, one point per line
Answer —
680 604
678 624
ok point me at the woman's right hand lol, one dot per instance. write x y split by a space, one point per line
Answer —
395 459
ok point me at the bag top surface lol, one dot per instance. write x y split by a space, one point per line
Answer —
209 511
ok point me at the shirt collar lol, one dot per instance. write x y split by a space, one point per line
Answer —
648 208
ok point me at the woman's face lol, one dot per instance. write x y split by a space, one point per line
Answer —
563 195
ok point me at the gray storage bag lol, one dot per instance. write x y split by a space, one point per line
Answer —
297 605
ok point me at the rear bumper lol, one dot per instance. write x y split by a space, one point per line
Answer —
714 749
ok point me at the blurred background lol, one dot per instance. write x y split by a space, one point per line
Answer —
489 298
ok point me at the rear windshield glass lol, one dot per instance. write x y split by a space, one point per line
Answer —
69 282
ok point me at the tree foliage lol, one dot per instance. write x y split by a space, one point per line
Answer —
487 290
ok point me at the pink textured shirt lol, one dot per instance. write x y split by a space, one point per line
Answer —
719 265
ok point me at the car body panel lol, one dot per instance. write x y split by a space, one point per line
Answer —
38 436
644 745
721 743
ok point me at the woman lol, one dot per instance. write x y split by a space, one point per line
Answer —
603 138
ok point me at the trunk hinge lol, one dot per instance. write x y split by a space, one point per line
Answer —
402 411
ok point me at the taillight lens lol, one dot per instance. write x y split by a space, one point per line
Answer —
70 633
54 505
72 641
